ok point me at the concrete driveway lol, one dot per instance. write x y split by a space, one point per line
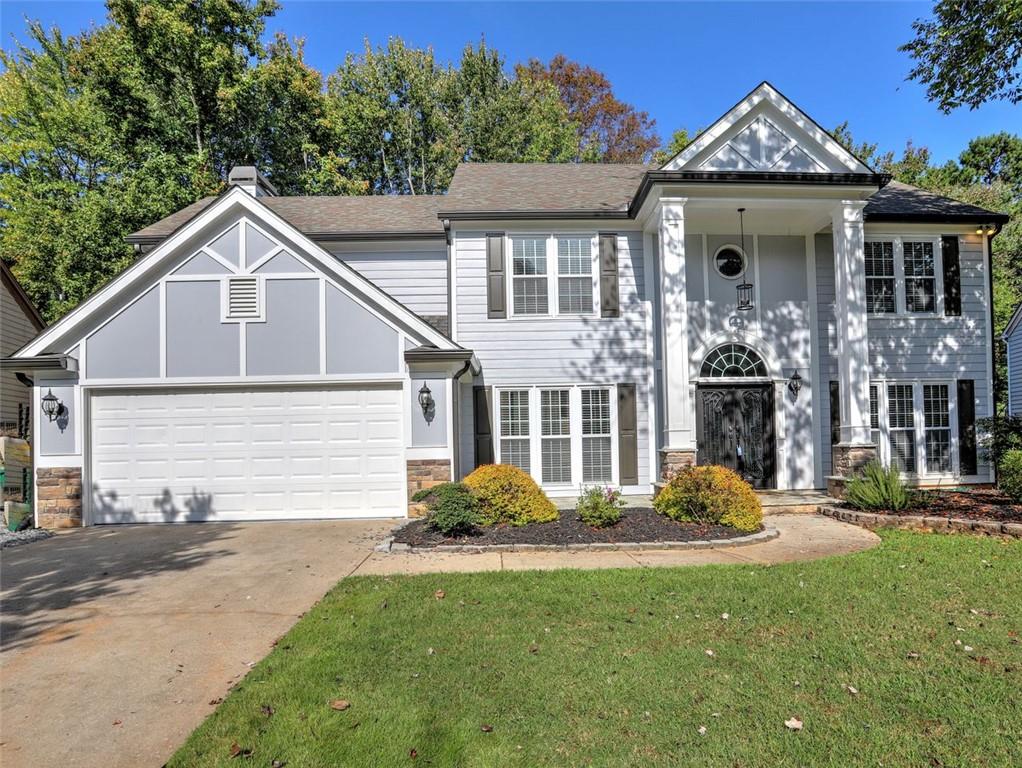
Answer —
115 643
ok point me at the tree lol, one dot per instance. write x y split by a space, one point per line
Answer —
679 140
969 52
609 130
997 157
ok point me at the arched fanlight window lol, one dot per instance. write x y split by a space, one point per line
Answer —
733 361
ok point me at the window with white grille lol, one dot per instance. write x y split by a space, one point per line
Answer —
514 428
901 427
874 415
575 275
529 276
880 280
242 299
920 276
596 436
555 431
937 428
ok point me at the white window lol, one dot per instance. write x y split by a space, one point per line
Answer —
901 426
515 446
597 466
874 415
880 279
529 276
574 275
937 423
555 441
903 275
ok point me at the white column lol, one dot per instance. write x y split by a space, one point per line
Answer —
678 431
850 312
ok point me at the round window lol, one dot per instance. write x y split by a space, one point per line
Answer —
729 261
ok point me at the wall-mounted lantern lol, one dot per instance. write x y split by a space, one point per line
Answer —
988 228
52 407
795 384
426 400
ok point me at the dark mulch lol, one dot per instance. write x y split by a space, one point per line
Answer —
636 525
972 504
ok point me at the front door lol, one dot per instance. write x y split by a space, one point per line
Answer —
735 429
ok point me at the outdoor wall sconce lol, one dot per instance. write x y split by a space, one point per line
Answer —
988 228
745 287
795 384
426 401
52 406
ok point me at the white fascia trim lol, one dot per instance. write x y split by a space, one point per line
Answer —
765 92
1016 317
149 268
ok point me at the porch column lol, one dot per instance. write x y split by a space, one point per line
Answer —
855 448
679 448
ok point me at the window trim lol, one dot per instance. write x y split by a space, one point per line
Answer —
741 252
919 429
553 274
574 426
900 285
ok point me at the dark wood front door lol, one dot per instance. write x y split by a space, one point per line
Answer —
735 429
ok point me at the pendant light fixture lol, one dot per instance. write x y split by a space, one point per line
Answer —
745 287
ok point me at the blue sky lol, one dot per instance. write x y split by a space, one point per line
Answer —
684 63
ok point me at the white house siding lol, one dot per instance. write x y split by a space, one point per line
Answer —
554 350
913 348
414 273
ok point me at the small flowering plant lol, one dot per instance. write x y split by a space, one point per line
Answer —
599 507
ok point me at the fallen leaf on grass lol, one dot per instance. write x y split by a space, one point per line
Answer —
412 753
278 764
533 648
486 728
852 690
340 704
439 594
912 655
702 730
709 652
794 724
238 751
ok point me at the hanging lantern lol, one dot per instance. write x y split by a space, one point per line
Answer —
745 288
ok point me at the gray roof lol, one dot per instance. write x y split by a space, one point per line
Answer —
326 216
520 188
544 187
903 202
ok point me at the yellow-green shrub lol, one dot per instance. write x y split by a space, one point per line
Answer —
709 495
507 495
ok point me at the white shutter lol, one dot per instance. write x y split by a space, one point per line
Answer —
243 299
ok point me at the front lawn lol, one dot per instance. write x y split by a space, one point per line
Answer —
611 668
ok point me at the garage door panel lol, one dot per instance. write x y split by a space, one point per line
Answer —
247 455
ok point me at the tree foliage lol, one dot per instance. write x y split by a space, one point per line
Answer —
969 52
609 130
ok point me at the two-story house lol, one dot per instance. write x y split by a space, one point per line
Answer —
764 300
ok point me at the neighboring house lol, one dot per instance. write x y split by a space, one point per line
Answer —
20 322
290 357
1013 346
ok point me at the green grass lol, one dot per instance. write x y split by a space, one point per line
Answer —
608 668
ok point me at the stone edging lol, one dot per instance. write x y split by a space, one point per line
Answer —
389 545
873 520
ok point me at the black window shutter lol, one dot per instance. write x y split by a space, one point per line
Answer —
496 289
966 405
482 398
610 302
627 435
952 275
835 413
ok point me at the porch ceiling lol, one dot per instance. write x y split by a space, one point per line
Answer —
764 217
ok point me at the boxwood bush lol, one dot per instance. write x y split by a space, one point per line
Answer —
507 495
710 495
453 508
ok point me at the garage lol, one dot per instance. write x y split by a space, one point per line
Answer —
233 453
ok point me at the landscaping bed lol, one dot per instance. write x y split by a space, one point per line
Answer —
973 504
637 525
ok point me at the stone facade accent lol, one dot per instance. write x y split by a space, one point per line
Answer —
672 461
874 520
425 473
58 497
848 459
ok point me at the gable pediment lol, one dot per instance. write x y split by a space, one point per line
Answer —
766 133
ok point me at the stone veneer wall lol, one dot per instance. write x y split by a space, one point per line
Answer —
58 495
848 461
672 461
425 473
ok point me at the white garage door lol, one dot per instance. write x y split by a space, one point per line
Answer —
236 454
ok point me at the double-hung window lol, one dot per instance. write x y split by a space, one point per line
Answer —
555 441
529 276
920 276
901 427
574 275
515 446
880 278
596 436
937 428
874 415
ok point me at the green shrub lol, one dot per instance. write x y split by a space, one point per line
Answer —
453 508
508 495
710 495
998 435
599 507
877 488
1009 474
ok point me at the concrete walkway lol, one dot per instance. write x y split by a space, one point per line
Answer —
118 641
802 537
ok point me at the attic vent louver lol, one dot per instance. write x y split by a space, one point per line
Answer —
243 298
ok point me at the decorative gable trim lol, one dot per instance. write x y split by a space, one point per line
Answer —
750 110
